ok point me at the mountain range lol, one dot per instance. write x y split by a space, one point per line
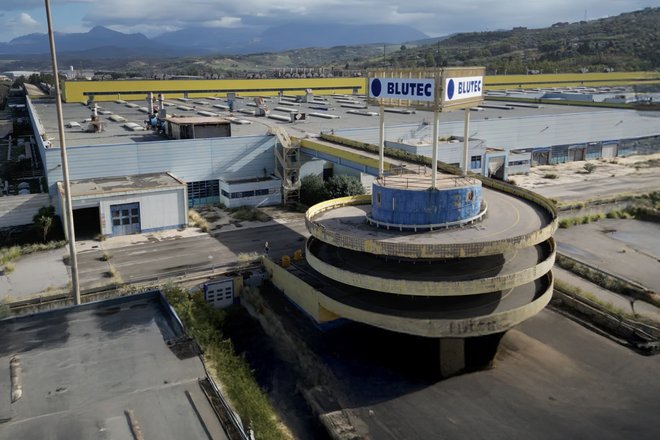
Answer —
101 42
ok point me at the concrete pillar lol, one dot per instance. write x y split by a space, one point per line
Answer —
452 356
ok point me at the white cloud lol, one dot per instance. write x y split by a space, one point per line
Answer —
431 16
25 19
224 22
22 24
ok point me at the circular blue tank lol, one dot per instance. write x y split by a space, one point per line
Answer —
424 207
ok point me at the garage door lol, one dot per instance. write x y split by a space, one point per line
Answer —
125 219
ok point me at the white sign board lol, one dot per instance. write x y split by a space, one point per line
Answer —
457 89
414 89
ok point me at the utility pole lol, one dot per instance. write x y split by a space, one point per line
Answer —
68 210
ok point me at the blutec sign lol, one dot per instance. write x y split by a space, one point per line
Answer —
402 88
463 88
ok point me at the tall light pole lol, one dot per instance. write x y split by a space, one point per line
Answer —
68 210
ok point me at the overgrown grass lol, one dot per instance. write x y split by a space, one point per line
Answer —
8 254
604 279
580 220
618 213
249 213
114 274
606 306
247 258
5 311
195 219
9 268
204 324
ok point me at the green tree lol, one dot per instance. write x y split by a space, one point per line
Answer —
43 220
312 190
342 186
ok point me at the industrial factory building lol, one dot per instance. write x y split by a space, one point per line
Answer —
201 153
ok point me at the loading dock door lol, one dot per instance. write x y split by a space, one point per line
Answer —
125 219
496 167
610 150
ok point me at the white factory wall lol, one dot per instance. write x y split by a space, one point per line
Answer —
191 159
311 166
273 196
529 131
448 152
519 162
159 209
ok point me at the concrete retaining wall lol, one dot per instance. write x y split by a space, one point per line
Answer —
298 291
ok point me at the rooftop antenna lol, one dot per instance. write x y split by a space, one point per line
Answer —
68 214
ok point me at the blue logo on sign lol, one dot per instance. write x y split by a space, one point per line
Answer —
376 87
450 89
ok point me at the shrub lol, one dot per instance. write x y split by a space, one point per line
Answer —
43 220
312 190
5 311
343 186
9 268
589 167
550 176
204 324
197 220
105 257
566 223
249 213
9 254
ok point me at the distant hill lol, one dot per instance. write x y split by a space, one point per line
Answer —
106 42
630 41
302 35
286 37
200 40
101 42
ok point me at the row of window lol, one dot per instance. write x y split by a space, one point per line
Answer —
244 194
203 189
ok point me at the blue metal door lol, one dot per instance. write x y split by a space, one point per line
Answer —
125 219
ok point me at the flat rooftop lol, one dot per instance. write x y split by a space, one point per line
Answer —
197 120
123 184
84 367
116 133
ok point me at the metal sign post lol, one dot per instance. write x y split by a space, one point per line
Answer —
434 160
466 140
381 149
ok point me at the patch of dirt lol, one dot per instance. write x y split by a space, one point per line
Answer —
576 172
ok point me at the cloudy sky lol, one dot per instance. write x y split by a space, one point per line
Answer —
433 17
